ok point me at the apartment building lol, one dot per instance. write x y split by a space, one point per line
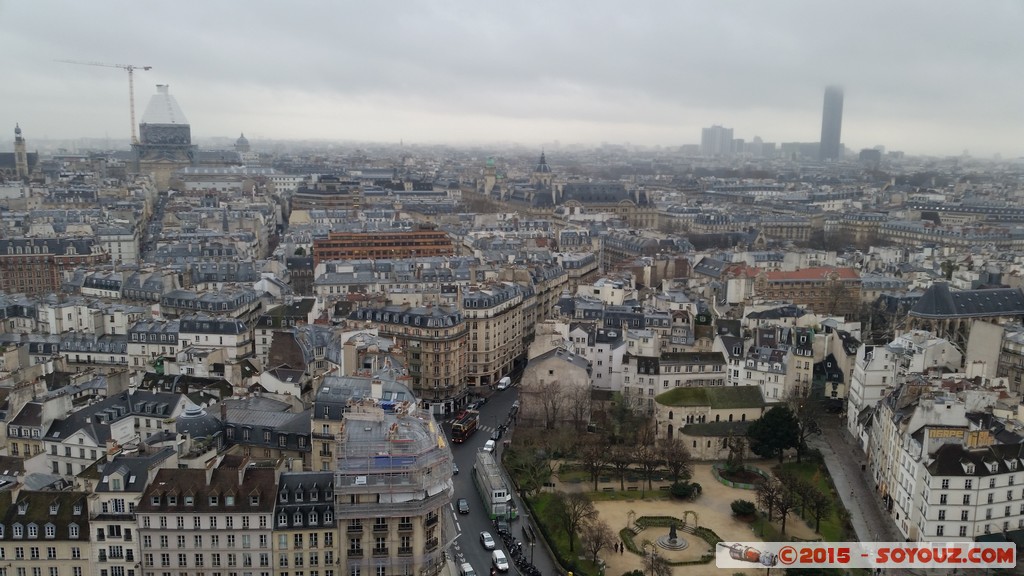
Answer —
215 519
825 290
117 485
382 243
646 376
436 343
305 531
45 534
392 523
495 331
230 334
37 265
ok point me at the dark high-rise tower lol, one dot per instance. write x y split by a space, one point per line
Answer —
831 124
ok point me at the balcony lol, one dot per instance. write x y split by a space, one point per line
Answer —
355 528
405 527
380 551
430 520
431 545
380 527
405 551
355 553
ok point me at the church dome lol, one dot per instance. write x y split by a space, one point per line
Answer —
242 144
542 166
17 130
199 425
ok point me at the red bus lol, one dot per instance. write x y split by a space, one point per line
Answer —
464 426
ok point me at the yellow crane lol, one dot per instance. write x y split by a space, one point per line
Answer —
131 68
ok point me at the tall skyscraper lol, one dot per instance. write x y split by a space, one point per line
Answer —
831 124
716 141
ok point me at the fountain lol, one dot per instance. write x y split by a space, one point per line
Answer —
672 541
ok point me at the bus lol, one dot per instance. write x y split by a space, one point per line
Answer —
464 426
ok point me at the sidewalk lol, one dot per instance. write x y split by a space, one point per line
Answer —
854 486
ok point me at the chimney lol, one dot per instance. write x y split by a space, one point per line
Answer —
223 412
241 470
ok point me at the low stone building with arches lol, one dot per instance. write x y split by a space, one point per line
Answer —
706 417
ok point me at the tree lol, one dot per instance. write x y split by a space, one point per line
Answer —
649 459
819 505
785 501
592 453
767 491
300 251
774 432
621 458
596 535
552 401
531 467
677 458
579 400
808 414
655 565
737 445
572 510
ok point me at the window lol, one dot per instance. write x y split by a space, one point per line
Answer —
945 484
942 514
940 530
942 498
51 531
963 515
968 484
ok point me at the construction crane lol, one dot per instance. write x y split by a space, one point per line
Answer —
131 84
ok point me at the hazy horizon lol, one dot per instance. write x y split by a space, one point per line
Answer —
928 78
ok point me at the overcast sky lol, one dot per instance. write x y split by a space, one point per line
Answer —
929 77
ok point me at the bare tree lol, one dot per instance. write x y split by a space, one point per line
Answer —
819 504
573 510
596 535
808 412
656 565
649 458
767 492
579 404
592 451
677 458
552 402
621 458
785 501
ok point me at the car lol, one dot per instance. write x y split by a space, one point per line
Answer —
504 383
455 469
463 506
487 540
489 446
499 561
502 526
496 435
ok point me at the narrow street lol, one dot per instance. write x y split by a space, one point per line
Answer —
855 487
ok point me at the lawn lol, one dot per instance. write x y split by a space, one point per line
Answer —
832 529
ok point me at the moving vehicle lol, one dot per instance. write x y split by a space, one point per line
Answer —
489 446
464 426
455 469
487 540
504 383
494 490
499 561
463 506
466 569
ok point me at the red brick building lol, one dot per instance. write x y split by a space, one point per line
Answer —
382 244
37 265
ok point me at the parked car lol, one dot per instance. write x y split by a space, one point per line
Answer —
496 435
487 540
455 469
463 506
502 526
489 446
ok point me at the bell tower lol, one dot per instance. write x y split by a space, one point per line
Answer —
20 154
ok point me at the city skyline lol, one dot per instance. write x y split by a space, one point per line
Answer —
460 73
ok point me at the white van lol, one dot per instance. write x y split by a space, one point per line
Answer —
504 383
499 561
466 569
489 446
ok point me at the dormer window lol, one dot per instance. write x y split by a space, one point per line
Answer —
312 518
155 500
282 519
18 531
72 530
33 531
229 500
313 495
297 519
22 508
1013 464
189 500
53 509
993 467
172 500
969 468
283 497
77 510
214 500
254 500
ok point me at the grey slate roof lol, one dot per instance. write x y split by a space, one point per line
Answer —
938 301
